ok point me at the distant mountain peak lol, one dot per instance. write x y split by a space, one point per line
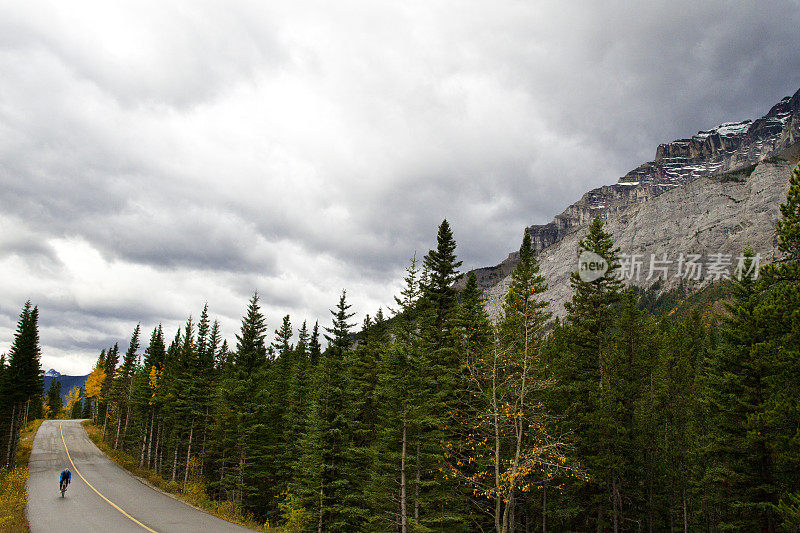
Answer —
52 373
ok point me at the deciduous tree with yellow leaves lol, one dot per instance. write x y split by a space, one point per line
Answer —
508 447
94 383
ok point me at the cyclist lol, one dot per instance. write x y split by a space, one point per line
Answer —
66 477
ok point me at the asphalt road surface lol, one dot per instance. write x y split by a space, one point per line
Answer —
123 504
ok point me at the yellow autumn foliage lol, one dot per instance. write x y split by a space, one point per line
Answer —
73 397
155 379
94 382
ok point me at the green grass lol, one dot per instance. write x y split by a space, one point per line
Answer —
13 495
192 492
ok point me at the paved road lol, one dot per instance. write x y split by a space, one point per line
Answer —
131 506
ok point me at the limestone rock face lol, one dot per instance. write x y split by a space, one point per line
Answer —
729 146
716 192
710 215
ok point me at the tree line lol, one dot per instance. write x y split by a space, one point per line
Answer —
431 417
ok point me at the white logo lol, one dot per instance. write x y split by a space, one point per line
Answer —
591 266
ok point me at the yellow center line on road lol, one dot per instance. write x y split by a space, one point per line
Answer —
112 504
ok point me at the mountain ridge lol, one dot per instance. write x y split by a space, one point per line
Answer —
740 169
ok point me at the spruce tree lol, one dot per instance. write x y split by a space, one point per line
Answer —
278 461
121 389
251 351
739 476
178 394
155 352
774 359
469 459
392 490
297 400
440 295
23 377
203 330
363 412
441 502
508 447
110 367
208 340
659 370
788 226
283 336
54 401
241 417
584 382
780 355
77 407
322 483
314 347
149 394
86 406
519 372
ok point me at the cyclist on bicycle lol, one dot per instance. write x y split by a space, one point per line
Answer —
66 477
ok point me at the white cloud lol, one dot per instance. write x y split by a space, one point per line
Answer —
154 157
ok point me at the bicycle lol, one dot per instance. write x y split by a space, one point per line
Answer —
63 487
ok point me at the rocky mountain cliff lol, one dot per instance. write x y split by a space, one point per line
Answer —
716 192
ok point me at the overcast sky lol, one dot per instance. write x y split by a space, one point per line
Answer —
154 158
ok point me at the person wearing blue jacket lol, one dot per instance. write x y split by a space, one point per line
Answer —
66 478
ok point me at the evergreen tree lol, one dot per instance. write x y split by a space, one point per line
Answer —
203 331
54 401
208 340
440 295
23 379
110 368
517 364
240 415
788 227
778 356
654 400
155 352
314 347
322 483
215 344
86 406
283 336
363 412
251 351
297 398
739 477
583 390
393 499
148 395
278 454
121 389
471 458
441 501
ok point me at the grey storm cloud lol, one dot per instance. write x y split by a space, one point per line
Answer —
156 157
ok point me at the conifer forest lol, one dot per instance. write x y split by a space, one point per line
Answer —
428 416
